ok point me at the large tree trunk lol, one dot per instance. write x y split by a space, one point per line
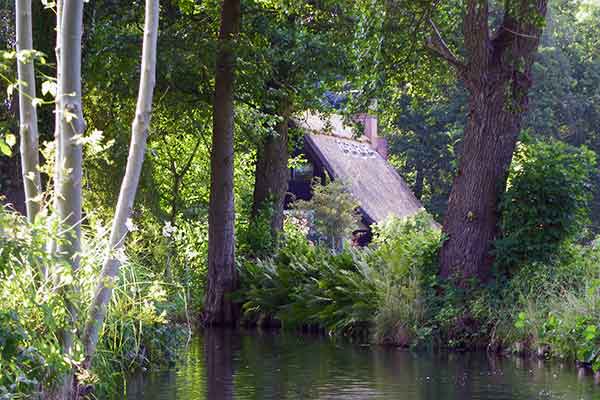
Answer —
472 217
272 174
133 170
71 127
28 124
222 275
497 74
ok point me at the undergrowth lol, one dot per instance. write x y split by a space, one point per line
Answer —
33 311
543 297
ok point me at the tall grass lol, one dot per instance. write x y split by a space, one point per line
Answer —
136 334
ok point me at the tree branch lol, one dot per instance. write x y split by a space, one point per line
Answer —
437 44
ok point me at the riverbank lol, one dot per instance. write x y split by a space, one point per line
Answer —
391 294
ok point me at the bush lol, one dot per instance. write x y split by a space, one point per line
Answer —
33 311
137 334
352 291
408 251
565 311
546 203
542 306
309 285
174 254
254 236
333 210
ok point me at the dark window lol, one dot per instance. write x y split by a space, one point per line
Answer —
303 173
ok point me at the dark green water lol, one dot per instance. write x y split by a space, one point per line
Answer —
224 365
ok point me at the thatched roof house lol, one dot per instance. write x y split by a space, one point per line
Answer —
331 147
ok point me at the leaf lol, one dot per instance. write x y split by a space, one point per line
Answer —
9 55
590 332
5 149
49 87
10 139
69 116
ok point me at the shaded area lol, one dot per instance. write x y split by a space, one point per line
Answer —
228 365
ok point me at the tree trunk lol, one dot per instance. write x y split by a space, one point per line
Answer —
498 76
222 275
57 140
28 124
272 174
419 180
71 127
133 170
472 217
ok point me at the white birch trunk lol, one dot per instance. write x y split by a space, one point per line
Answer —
57 105
71 127
28 124
139 133
57 142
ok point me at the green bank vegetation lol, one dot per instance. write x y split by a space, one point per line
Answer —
119 232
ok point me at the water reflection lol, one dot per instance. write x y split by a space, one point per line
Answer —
224 365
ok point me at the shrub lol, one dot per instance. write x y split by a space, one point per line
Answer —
254 236
33 311
174 254
334 212
309 285
408 252
385 287
542 304
569 310
546 201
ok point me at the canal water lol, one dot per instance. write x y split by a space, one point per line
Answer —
221 365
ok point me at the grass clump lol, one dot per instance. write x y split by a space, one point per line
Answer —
406 251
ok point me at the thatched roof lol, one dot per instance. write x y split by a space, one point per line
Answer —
375 184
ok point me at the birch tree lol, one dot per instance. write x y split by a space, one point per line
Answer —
137 148
70 129
28 124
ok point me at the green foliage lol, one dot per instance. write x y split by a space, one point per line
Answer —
175 254
309 285
545 308
546 203
137 335
33 310
408 252
423 136
333 210
254 236
353 291
559 306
